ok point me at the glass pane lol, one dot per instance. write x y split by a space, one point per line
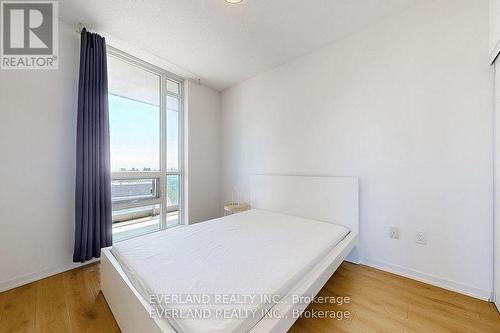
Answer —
173 86
134 135
133 82
134 189
134 117
173 200
172 133
132 222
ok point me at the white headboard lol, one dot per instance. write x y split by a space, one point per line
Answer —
329 199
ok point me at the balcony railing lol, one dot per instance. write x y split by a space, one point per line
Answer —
132 222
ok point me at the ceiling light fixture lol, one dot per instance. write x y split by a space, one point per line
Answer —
234 1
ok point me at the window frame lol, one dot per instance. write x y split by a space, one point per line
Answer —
163 173
156 180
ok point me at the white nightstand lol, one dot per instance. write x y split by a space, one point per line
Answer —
233 208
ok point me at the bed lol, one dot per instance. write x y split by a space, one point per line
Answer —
261 262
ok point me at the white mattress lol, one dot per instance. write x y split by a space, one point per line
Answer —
237 258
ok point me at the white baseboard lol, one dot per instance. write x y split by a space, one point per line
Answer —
21 281
354 257
485 295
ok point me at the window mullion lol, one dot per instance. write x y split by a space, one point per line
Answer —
181 156
163 150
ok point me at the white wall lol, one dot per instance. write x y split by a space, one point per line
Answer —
494 28
407 107
203 105
37 162
494 48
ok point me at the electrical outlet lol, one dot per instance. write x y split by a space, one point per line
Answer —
394 233
421 237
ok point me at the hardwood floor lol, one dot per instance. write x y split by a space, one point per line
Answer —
66 302
384 302
376 301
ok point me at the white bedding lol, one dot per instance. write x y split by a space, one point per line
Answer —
237 258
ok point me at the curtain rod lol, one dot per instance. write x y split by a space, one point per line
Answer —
194 78
80 28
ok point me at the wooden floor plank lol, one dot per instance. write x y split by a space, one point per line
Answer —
379 302
91 273
19 307
3 297
51 311
87 312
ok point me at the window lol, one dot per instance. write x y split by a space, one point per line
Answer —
124 190
145 116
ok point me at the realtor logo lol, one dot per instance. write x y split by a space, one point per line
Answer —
29 38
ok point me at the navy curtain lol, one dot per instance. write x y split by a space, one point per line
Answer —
93 179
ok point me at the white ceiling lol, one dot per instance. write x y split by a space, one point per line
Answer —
225 44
